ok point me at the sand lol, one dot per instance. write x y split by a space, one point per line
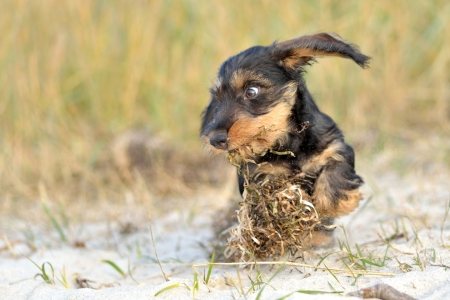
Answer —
410 208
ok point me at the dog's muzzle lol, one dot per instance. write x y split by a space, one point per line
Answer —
219 141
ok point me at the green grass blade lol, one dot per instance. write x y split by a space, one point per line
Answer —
54 222
46 277
361 255
167 288
230 280
331 286
116 267
33 262
138 249
323 258
130 272
43 274
369 262
240 281
195 287
334 276
63 279
208 274
270 279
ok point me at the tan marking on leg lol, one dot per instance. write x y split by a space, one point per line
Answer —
347 204
320 239
330 153
322 197
324 203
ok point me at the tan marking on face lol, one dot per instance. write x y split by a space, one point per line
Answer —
241 76
290 91
237 80
256 135
253 136
330 153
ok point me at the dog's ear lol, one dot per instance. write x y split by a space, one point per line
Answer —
294 54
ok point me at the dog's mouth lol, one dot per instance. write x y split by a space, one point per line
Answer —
220 143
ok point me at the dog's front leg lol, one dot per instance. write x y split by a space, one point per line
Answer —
335 194
336 190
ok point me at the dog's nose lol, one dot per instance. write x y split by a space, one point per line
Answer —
219 140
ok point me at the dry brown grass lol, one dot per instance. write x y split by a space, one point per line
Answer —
75 74
275 218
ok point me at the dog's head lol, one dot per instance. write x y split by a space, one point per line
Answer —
253 97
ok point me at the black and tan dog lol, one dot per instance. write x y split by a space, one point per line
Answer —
261 106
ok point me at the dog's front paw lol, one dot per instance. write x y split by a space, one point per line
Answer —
320 239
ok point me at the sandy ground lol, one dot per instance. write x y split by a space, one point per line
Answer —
408 208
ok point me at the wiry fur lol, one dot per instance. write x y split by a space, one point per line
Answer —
275 119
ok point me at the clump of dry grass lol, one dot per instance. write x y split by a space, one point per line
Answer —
275 217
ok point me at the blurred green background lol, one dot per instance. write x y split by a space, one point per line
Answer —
75 74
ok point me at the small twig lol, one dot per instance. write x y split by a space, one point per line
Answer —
337 271
21 280
288 152
381 291
440 265
304 125
392 247
200 276
156 253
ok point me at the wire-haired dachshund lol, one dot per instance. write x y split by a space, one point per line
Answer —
260 106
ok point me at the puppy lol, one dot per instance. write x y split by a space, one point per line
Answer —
260 106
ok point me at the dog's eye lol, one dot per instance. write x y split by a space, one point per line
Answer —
251 92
